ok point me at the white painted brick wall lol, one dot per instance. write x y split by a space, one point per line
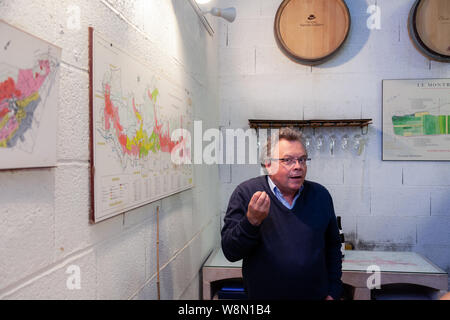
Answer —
351 200
355 172
121 265
427 174
52 284
433 230
269 60
73 121
384 204
72 229
387 230
238 62
44 214
27 223
385 174
327 173
440 202
401 202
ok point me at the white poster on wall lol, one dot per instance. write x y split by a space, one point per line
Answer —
29 75
135 109
416 119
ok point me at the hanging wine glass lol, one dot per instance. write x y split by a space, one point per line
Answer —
308 144
345 142
319 143
358 144
332 144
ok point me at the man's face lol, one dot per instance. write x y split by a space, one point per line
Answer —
287 178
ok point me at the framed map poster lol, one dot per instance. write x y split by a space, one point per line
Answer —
416 119
29 75
135 109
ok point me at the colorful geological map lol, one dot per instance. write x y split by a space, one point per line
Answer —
18 100
28 99
135 111
137 142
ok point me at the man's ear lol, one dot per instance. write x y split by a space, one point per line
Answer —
272 167
268 166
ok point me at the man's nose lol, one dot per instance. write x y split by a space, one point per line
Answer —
297 165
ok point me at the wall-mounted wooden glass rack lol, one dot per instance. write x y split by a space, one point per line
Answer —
256 124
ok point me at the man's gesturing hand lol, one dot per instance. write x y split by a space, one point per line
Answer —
258 208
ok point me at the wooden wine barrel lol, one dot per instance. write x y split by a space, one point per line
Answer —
429 28
311 31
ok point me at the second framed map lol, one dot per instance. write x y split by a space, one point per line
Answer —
135 109
416 119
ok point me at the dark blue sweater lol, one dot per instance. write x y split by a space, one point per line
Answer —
293 254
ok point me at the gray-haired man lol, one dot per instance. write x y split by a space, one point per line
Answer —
284 228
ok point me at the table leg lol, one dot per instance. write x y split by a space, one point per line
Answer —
206 290
361 294
439 294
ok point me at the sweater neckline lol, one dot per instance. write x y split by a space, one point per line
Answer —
275 199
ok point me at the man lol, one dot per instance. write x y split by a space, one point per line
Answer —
284 228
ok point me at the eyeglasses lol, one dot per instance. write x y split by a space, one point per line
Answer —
289 162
